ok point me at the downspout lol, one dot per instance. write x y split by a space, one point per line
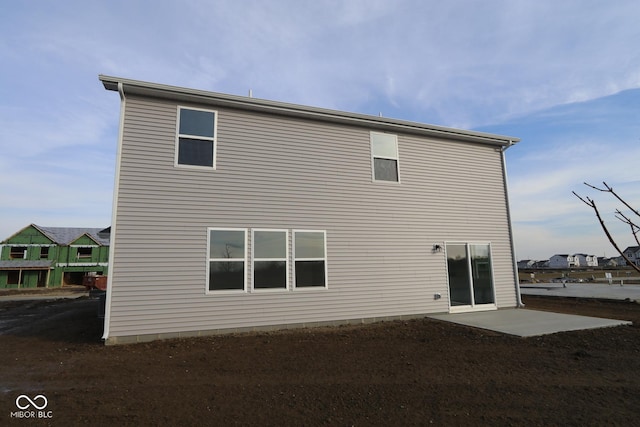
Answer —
516 279
114 209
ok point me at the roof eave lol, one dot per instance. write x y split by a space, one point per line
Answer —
181 94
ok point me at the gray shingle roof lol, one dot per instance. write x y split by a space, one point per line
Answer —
23 264
66 235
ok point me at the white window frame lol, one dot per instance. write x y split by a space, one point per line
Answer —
324 259
373 157
474 306
210 259
285 259
214 139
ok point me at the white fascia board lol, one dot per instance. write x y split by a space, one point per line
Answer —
136 87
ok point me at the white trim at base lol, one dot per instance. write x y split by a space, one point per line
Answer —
469 309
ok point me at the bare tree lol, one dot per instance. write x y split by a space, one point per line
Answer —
619 215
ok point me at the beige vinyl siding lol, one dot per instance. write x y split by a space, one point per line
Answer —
285 173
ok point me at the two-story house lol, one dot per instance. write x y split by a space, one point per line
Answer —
633 253
585 260
562 261
233 213
39 256
575 260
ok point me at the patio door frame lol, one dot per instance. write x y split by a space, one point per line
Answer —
473 306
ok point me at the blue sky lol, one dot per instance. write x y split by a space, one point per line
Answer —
564 76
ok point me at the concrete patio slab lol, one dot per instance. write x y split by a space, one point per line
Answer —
527 323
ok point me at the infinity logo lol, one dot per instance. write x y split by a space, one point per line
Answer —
31 402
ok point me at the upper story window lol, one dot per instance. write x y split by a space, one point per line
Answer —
196 140
84 253
384 155
44 252
18 252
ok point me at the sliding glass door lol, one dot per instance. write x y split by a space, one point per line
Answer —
470 275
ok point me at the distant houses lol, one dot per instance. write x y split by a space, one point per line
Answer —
39 257
562 261
527 263
532 263
575 260
581 260
611 262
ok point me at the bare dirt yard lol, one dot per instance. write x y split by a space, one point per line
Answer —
417 372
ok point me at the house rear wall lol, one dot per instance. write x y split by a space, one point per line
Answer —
286 173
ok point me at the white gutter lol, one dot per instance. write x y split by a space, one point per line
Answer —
137 87
114 209
511 237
